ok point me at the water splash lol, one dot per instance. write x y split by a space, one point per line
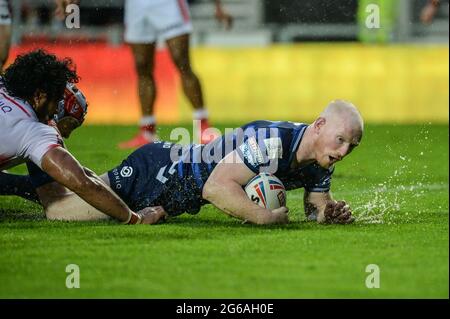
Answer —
387 199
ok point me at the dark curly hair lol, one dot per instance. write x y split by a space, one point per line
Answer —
39 70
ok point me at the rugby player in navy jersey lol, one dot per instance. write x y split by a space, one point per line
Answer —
177 179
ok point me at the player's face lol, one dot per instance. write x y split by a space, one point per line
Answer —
45 108
52 108
336 140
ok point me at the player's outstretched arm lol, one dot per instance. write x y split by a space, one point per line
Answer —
323 208
66 170
62 204
224 190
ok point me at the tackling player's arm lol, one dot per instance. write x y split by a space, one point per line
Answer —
224 190
66 170
323 208
62 204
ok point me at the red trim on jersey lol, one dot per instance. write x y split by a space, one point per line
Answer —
184 10
52 146
3 160
17 104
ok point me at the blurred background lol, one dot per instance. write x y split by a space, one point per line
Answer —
282 60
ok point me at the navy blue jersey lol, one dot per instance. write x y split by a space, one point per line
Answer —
173 176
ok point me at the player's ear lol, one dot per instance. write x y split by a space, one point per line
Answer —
319 123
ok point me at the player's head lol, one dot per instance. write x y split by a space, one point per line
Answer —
72 110
40 79
337 132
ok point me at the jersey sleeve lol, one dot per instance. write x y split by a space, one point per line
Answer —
37 139
261 149
318 179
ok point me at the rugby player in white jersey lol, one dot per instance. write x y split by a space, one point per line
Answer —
30 90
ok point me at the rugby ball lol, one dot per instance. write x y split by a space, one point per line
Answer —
267 191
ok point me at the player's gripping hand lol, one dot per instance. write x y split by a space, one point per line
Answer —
279 216
276 216
338 213
152 215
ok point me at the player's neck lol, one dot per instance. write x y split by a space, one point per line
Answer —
305 152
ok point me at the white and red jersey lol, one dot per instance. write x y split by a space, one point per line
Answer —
22 136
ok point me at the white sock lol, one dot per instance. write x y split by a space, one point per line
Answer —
147 120
200 114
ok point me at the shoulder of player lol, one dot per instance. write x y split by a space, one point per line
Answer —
271 124
262 129
284 129
25 126
15 107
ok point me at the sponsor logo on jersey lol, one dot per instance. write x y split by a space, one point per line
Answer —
126 171
116 179
252 152
274 147
5 108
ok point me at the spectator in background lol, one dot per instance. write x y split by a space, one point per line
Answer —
145 21
6 21
429 11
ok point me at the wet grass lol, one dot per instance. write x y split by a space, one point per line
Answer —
396 182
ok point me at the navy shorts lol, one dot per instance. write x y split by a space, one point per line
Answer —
135 179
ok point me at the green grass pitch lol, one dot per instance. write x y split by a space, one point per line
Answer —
396 182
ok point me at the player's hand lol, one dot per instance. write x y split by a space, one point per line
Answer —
67 125
338 213
224 18
152 215
280 216
428 13
276 216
